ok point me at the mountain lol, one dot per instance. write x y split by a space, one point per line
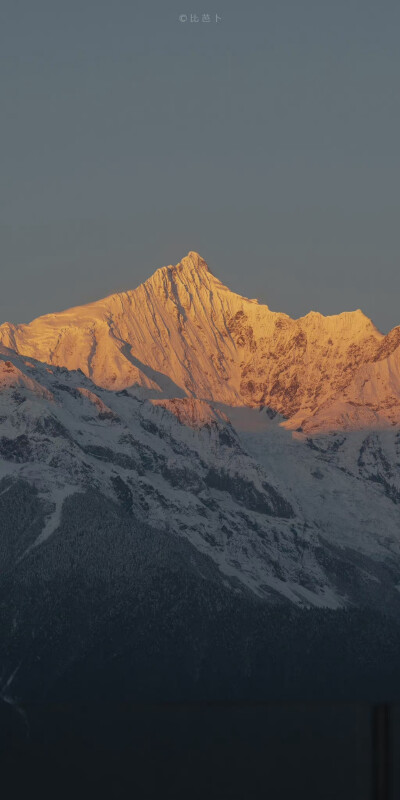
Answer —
184 334
177 519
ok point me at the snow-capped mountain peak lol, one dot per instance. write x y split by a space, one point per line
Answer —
183 333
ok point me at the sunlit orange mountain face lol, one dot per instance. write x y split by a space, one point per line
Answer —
183 333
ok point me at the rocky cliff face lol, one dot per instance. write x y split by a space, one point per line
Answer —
184 334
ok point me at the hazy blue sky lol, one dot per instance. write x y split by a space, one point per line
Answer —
268 141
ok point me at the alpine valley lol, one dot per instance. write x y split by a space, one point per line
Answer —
199 497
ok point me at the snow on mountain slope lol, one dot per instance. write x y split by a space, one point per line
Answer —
184 334
197 481
311 520
347 483
13 378
195 413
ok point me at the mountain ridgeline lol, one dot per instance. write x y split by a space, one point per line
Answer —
199 498
183 333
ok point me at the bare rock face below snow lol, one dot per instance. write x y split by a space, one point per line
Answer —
184 334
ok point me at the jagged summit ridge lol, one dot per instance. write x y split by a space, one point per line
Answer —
193 260
183 333
185 281
192 268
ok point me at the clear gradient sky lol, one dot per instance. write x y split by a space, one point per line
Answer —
268 142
